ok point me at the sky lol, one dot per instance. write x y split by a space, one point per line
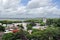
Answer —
29 8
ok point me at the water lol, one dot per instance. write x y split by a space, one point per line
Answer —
14 19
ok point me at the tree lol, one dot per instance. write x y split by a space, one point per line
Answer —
6 22
21 33
8 36
49 21
20 26
42 24
16 35
29 27
55 22
51 33
32 23
2 28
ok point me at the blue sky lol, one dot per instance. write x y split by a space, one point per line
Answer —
24 2
57 2
29 8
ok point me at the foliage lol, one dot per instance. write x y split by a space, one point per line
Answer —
50 33
8 36
14 36
34 20
20 26
2 28
55 22
9 22
32 24
29 27
42 24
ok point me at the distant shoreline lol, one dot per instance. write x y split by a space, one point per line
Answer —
13 19
20 19
16 19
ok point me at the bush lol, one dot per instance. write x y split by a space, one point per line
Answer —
29 27
51 33
55 22
32 24
2 28
14 36
8 36
11 36
42 24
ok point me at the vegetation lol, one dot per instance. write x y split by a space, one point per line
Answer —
9 22
52 32
29 27
2 28
8 36
47 34
20 26
20 35
54 22
42 24
35 20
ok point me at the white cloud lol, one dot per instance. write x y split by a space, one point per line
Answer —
9 7
43 8
34 8
39 3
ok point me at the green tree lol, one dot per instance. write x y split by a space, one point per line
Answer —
6 22
8 36
55 22
2 28
51 33
29 27
22 33
20 26
49 21
42 24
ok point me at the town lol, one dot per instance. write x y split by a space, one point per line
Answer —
29 29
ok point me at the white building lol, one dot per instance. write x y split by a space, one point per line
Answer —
44 20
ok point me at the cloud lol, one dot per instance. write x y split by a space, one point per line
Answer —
10 7
43 8
34 8
39 3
